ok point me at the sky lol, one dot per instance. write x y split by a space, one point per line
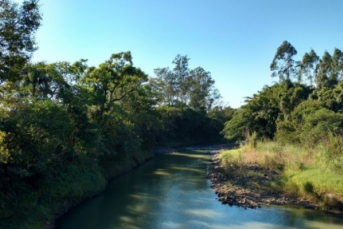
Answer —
235 40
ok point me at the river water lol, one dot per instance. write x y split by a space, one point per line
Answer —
171 191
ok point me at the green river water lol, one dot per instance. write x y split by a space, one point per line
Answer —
171 191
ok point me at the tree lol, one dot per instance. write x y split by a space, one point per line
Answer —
194 88
175 82
111 82
309 65
337 65
17 28
46 80
283 64
181 72
165 86
259 115
202 92
323 78
310 122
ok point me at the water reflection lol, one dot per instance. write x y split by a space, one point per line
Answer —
171 191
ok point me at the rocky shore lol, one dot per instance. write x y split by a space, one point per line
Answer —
250 190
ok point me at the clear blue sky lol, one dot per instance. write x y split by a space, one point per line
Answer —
233 39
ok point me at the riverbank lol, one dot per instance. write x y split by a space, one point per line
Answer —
75 183
112 168
239 179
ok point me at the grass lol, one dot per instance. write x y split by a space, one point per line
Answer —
313 173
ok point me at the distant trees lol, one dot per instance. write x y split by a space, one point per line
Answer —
303 107
188 104
309 66
194 88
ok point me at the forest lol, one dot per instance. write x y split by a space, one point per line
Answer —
66 128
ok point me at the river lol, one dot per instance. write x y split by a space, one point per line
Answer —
171 191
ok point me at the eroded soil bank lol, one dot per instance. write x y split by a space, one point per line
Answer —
250 190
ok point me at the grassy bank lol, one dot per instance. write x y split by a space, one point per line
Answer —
314 174
73 184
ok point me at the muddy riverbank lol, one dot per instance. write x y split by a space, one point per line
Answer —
251 190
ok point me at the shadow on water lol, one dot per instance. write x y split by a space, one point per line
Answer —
171 191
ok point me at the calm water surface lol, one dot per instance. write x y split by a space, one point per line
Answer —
172 191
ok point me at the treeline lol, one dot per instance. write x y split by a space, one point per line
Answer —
65 128
304 107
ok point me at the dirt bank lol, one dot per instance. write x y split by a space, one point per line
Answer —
250 190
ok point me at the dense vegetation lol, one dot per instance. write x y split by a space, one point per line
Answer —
302 116
65 128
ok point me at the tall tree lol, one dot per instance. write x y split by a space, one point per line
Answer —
181 71
283 64
112 81
324 71
337 65
166 85
309 65
202 91
17 28
194 88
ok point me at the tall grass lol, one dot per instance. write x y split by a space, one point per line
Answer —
312 172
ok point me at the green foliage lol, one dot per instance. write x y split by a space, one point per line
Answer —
331 152
234 129
194 88
309 65
283 64
17 27
111 82
309 123
181 125
223 114
258 115
4 152
331 99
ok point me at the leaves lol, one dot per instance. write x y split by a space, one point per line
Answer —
194 88
283 64
17 28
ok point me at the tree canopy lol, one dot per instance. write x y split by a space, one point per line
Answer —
18 25
192 87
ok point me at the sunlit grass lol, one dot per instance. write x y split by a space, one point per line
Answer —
304 172
322 182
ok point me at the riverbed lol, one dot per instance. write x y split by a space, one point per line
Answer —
171 191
